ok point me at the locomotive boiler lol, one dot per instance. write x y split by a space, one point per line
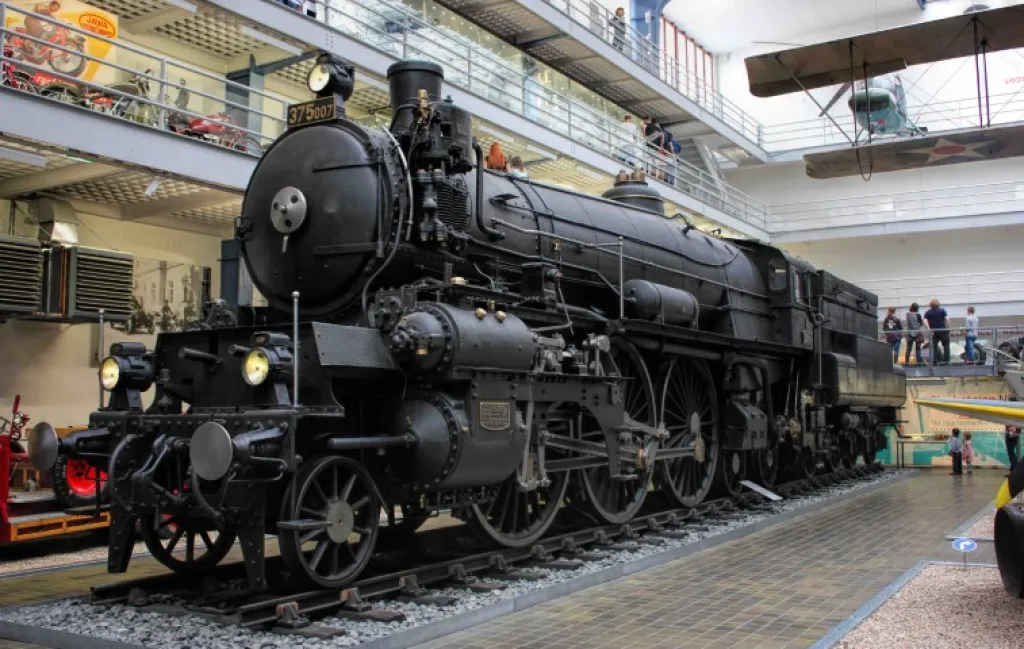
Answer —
443 337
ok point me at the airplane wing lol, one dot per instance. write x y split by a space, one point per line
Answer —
1007 413
913 153
826 64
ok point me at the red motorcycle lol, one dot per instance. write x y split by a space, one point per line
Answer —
51 33
11 76
217 128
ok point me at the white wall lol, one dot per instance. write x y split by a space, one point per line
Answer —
925 85
52 366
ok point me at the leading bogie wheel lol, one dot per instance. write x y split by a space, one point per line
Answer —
732 468
618 500
689 410
74 482
338 494
765 465
185 546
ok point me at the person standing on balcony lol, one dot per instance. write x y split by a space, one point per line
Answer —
893 332
633 134
938 323
971 326
618 25
655 138
914 336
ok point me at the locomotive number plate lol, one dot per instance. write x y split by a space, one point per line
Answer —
311 112
495 415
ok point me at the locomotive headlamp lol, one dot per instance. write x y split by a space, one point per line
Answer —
256 366
110 373
331 74
318 77
127 368
269 355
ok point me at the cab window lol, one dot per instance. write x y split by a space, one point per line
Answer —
777 275
798 287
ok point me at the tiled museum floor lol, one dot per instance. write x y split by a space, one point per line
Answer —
784 587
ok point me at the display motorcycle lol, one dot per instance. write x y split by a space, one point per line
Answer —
11 76
128 102
217 128
138 321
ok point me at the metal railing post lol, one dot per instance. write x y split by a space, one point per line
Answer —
162 97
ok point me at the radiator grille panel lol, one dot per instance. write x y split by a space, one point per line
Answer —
21 275
102 280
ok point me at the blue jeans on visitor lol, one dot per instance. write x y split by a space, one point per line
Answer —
896 350
970 348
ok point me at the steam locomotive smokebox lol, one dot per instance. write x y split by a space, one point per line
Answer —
405 80
632 189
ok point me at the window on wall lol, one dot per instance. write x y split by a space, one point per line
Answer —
696 72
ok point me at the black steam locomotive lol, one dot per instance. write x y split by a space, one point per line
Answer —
441 337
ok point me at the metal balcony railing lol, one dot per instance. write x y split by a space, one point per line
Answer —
597 20
963 289
897 207
998 348
38 64
390 27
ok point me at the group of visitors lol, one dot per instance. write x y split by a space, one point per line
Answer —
653 148
934 320
496 160
961 450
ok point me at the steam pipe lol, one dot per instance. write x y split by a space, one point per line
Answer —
486 229
355 443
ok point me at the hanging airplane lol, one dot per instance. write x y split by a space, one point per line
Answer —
880 106
859 58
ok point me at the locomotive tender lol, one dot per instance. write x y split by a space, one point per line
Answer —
471 342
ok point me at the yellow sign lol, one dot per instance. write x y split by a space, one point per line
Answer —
55 36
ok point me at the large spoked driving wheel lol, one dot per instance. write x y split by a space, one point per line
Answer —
184 545
689 409
618 500
517 517
337 495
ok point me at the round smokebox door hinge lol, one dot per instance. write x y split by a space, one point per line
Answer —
288 210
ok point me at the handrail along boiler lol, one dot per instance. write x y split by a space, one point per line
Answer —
441 337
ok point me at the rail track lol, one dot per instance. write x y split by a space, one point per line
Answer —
420 573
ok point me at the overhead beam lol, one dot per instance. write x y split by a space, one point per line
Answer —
105 210
76 173
535 37
597 87
175 204
569 60
184 225
470 7
158 18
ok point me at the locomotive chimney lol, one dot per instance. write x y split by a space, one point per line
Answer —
406 79
632 189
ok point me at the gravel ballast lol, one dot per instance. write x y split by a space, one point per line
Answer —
159 631
984 527
945 606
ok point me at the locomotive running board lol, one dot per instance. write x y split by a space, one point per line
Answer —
770 495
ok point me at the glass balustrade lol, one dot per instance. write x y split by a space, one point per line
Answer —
394 28
136 85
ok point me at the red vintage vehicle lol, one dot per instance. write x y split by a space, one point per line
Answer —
217 128
34 506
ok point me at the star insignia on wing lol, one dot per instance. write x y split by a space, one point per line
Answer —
944 148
